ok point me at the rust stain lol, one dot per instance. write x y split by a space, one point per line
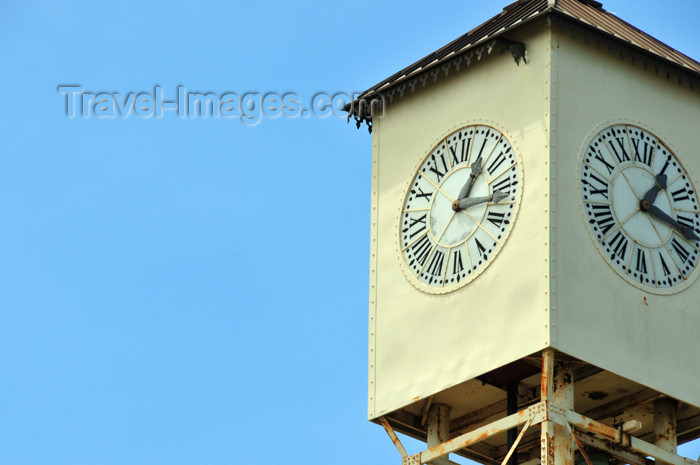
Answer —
550 449
603 430
544 384
567 378
597 395
645 301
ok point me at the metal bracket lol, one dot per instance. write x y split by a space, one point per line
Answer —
394 438
517 49
363 111
411 460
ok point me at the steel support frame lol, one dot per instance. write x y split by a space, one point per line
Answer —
553 416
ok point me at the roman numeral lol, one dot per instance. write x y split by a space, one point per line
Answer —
608 166
435 168
463 153
486 138
680 194
457 265
497 219
421 249
503 185
497 162
663 170
666 271
425 195
601 189
603 217
622 154
435 266
682 252
619 245
480 247
685 221
645 155
418 222
641 261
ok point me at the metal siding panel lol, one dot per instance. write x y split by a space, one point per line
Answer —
427 343
651 339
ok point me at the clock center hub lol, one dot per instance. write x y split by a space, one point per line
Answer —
449 223
631 208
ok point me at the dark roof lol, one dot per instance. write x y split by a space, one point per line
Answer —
589 14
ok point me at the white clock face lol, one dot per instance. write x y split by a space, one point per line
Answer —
641 208
459 208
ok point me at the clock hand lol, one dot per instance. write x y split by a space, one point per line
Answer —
463 204
476 170
687 232
651 194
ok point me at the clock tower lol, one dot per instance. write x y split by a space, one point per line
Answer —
535 238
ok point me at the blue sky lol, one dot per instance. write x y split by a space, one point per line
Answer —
188 290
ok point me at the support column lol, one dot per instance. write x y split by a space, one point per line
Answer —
438 429
546 395
563 397
665 433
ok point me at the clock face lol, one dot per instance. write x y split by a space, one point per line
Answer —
459 208
641 208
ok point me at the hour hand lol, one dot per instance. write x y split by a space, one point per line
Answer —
651 194
687 232
476 171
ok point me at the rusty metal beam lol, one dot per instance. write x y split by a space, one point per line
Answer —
438 429
607 432
658 453
408 424
394 438
536 412
546 396
514 446
665 424
588 424
625 455
578 443
563 398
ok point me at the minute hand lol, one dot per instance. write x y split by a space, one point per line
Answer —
685 230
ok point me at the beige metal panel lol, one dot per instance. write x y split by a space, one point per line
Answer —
423 343
601 318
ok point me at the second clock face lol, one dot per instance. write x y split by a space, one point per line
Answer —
641 208
459 208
